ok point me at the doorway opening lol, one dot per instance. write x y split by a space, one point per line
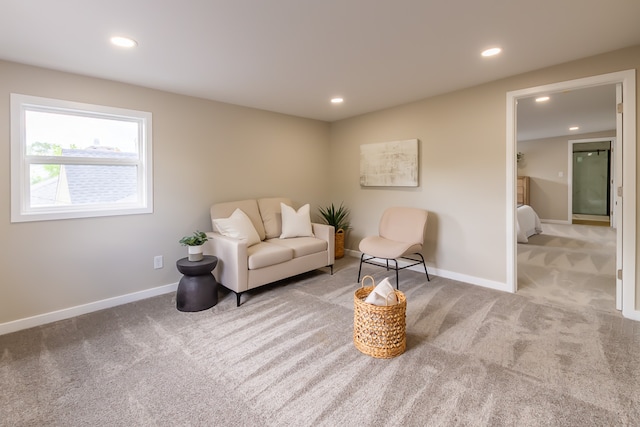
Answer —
624 181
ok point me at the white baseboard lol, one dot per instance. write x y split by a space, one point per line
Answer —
478 281
54 316
632 315
449 275
555 221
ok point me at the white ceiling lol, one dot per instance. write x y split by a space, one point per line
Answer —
292 56
591 109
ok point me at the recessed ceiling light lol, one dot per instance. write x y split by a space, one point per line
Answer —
542 99
574 128
491 52
123 41
337 100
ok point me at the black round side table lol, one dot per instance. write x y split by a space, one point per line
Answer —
198 289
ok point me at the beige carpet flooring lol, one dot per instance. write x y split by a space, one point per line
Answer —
475 357
570 265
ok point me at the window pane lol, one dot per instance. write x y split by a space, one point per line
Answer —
54 134
77 160
58 185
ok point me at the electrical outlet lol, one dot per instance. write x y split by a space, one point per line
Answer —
157 262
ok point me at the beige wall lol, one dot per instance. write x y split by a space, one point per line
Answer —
461 144
462 166
542 160
203 151
239 152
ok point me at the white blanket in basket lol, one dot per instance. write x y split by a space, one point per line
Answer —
383 294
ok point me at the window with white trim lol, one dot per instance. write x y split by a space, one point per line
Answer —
74 160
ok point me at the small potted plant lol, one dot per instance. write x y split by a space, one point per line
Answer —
338 217
194 244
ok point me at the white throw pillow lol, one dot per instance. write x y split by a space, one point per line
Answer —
295 224
238 226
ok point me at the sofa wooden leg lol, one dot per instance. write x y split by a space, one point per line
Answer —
238 298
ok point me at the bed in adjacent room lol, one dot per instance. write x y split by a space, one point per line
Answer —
527 223
527 220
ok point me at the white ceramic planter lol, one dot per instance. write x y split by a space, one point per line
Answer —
195 253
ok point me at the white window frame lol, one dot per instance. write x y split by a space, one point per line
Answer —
21 209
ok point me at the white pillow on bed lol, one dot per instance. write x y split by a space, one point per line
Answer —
295 224
238 226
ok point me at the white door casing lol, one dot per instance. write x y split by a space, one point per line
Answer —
619 201
626 255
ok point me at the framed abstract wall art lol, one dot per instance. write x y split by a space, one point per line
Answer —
389 164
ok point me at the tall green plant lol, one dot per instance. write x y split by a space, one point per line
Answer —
338 217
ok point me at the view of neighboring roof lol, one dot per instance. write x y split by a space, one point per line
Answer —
88 184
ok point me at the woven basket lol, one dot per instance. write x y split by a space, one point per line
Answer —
379 331
339 243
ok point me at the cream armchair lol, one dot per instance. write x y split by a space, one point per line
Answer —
400 236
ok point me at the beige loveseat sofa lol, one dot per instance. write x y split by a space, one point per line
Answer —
246 262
